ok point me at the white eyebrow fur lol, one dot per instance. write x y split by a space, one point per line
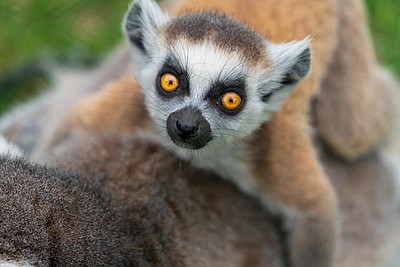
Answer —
208 63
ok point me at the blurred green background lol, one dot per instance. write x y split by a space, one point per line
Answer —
81 32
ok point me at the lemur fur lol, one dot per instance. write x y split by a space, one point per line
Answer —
212 52
148 178
53 217
355 110
8 149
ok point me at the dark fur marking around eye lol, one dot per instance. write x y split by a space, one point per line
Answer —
237 85
223 30
173 66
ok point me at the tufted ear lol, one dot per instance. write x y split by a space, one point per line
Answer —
290 63
141 25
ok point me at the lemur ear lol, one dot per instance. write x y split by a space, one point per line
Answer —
290 63
142 23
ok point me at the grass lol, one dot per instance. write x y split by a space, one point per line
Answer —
82 31
71 31
61 28
385 25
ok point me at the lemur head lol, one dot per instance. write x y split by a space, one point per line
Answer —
208 78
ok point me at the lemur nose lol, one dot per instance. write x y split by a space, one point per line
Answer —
186 131
188 128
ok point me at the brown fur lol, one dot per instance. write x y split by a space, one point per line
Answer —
225 32
54 218
122 112
302 190
182 216
354 110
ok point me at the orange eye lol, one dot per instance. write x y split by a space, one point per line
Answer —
169 82
231 100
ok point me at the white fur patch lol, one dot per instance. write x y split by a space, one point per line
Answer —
9 150
14 264
392 160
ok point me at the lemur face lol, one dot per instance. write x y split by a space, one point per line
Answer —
208 79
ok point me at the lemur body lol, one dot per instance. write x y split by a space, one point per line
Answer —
211 84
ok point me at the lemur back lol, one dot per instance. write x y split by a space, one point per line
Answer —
50 217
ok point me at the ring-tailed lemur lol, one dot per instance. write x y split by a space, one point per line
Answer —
211 84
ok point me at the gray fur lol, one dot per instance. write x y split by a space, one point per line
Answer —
188 206
187 217
53 218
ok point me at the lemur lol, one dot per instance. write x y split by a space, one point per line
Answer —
221 95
